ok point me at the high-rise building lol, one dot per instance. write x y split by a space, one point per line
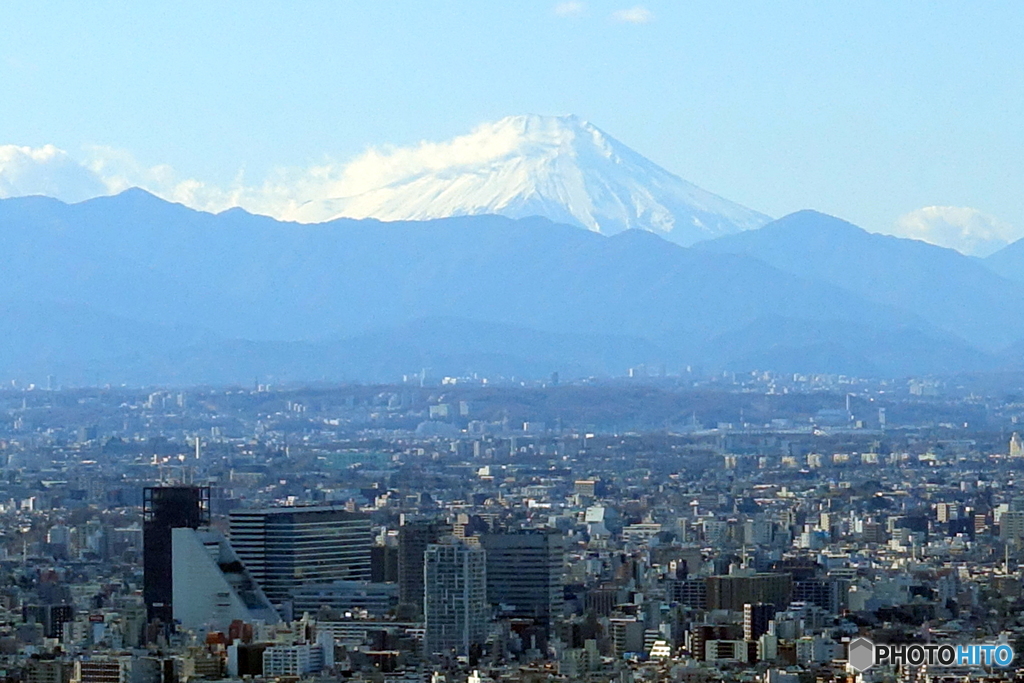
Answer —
755 619
165 508
454 598
211 586
284 548
413 539
585 487
689 592
826 593
51 616
377 599
626 635
1016 446
1011 526
946 512
299 659
524 573
102 670
735 590
384 564
38 670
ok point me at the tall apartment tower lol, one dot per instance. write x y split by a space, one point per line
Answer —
413 539
165 508
755 619
284 548
454 598
524 574
1016 446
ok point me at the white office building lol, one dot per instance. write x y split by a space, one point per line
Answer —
210 585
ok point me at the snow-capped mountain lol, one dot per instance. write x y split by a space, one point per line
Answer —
562 168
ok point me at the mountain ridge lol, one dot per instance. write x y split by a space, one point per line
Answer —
226 296
954 292
1008 261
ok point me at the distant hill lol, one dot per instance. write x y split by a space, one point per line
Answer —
861 350
131 288
1008 261
953 292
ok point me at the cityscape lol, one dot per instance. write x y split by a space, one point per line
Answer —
463 529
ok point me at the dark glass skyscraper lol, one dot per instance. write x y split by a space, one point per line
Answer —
524 573
165 508
413 539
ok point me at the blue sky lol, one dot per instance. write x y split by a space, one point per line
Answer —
866 110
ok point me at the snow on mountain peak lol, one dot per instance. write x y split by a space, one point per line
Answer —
560 167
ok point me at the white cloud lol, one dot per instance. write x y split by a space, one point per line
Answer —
119 170
379 167
570 9
634 15
967 230
288 193
46 171
51 171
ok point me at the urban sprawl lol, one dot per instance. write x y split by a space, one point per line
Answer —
737 527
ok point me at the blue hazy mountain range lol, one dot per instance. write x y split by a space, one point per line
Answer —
951 291
1008 261
134 289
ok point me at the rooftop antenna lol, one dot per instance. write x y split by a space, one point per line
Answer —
161 471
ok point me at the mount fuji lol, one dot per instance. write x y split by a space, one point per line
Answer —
561 168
